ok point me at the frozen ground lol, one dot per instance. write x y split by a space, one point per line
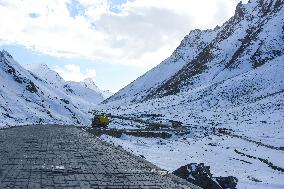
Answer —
226 155
252 151
253 112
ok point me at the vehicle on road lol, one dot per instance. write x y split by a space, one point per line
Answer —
100 121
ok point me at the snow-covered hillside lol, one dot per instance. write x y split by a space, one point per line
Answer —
39 95
230 77
54 79
251 38
89 83
45 73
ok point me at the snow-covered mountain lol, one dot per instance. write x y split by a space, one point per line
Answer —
54 79
251 38
38 94
89 83
229 77
45 73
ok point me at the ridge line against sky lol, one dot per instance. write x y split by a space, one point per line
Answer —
120 39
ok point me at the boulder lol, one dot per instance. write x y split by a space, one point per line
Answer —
200 175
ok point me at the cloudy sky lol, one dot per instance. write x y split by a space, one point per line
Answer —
111 41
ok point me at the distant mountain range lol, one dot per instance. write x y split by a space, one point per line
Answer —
223 88
37 94
228 68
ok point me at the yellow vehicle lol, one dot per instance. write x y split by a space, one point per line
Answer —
100 121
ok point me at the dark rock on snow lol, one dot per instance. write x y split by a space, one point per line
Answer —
200 175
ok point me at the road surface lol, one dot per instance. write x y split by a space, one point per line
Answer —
68 157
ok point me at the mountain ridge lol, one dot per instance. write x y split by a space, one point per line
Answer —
228 43
40 95
222 92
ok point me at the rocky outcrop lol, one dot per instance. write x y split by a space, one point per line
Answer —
200 175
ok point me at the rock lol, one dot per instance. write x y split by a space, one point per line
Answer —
200 175
175 123
227 182
239 12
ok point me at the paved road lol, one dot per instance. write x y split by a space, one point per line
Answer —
68 157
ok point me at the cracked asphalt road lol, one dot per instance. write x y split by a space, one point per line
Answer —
68 157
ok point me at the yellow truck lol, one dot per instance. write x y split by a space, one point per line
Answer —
100 121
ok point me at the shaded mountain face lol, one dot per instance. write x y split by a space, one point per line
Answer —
40 95
250 39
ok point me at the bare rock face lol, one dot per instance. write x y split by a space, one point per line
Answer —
239 12
200 175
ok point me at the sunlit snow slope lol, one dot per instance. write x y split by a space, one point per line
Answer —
231 77
253 37
39 95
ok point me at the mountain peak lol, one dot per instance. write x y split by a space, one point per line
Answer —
240 10
248 40
44 72
89 83
89 80
3 53
43 65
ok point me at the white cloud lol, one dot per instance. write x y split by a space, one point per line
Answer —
142 32
72 72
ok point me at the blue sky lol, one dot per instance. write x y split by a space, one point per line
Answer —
111 41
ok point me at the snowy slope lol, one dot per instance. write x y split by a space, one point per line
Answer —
87 90
249 39
89 83
42 96
54 79
230 77
44 72
191 45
